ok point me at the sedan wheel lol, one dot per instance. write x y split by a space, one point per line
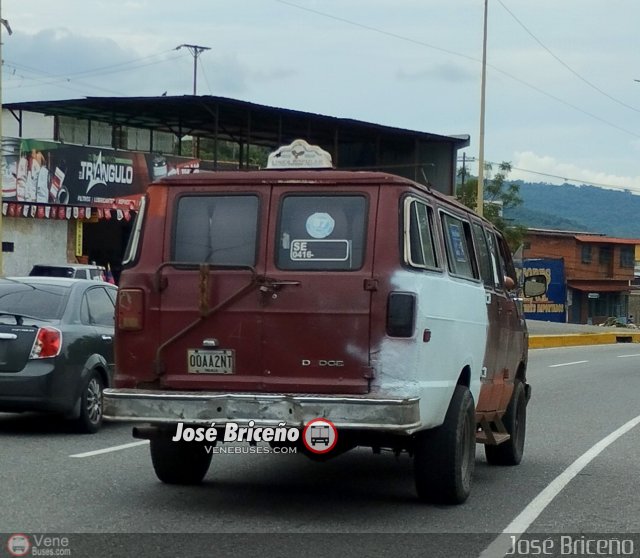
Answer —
90 419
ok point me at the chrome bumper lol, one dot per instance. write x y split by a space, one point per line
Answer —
401 415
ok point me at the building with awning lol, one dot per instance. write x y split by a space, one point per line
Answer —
598 271
75 169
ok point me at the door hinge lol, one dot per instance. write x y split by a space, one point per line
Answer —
370 284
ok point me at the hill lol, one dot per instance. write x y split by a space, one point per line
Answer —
580 208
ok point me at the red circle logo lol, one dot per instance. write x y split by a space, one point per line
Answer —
320 435
18 545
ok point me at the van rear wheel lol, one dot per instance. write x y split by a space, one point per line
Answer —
179 462
515 421
444 457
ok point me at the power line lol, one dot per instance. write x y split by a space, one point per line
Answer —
578 180
196 51
100 69
377 30
466 57
58 79
565 178
581 78
206 79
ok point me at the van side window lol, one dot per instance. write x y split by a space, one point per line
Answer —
321 233
131 252
484 255
497 265
460 256
216 229
507 260
419 245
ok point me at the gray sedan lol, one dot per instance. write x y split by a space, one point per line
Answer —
56 346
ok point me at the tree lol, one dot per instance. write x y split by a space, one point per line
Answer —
498 196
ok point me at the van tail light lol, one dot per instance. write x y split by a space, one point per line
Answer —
401 311
130 309
47 344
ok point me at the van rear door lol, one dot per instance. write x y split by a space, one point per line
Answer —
210 303
316 313
284 305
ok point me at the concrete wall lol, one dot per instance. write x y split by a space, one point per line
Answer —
35 241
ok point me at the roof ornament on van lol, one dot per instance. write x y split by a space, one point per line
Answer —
299 155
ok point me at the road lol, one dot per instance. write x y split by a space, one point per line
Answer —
358 504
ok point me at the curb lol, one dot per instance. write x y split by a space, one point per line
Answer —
577 339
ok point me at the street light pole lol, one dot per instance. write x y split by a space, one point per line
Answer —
195 51
480 195
8 28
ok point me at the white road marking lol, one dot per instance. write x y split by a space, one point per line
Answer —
502 544
109 450
568 363
628 356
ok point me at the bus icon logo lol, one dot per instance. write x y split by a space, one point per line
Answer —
320 435
18 545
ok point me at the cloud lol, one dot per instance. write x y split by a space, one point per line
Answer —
446 72
542 168
57 63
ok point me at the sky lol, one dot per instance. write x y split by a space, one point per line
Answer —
562 100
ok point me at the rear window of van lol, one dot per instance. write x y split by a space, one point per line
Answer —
321 233
220 230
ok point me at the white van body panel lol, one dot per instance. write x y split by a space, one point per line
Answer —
455 312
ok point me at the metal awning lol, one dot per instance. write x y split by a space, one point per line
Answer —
224 118
601 286
353 144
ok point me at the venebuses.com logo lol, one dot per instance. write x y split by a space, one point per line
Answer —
319 435
20 544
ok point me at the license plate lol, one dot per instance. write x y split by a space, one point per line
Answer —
205 361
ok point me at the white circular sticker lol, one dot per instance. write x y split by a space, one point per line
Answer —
320 225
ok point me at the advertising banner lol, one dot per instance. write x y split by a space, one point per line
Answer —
552 306
46 172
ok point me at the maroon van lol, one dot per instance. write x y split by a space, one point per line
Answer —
347 308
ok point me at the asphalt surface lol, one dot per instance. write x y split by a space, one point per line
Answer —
358 504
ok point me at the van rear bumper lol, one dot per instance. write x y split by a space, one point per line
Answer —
401 415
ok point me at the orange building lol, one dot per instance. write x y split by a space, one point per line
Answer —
598 269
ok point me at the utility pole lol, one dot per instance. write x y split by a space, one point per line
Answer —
8 28
195 51
480 196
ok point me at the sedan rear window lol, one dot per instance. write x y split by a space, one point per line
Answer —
321 233
46 302
53 271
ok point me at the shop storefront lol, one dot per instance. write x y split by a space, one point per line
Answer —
67 203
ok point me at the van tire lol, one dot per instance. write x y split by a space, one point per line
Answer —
179 462
510 453
444 457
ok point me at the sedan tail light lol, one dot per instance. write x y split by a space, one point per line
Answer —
47 344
